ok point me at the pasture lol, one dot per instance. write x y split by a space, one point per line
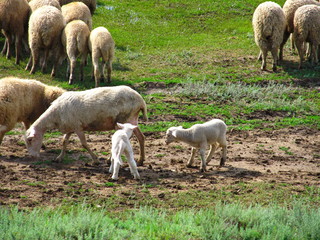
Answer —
191 61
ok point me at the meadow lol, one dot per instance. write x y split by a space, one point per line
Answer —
191 61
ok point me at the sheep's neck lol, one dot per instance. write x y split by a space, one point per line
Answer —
185 135
44 122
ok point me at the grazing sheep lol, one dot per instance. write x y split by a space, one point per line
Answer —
45 27
121 145
14 15
77 11
101 45
307 29
289 9
268 25
35 4
97 109
75 38
199 136
92 4
24 101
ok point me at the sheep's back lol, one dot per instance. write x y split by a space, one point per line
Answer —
76 34
77 11
100 38
35 4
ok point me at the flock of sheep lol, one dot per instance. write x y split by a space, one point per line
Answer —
273 25
58 29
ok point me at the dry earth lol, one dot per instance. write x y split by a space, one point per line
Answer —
289 155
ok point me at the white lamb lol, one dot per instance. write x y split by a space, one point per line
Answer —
121 145
199 136
97 109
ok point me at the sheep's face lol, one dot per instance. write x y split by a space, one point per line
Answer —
33 141
171 134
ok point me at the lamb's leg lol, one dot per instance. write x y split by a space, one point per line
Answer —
203 160
141 139
132 163
111 170
213 148
193 152
116 167
223 145
83 141
64 147
260 56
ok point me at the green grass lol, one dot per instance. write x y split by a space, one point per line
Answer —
223 221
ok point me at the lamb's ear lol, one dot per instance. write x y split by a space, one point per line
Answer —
133 126
120 125
174 133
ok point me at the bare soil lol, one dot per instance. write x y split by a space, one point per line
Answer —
290 155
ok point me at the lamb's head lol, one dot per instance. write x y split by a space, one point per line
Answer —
33 141
171 134
127 127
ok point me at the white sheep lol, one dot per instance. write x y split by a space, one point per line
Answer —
35 4
101 45
121 145
268 25
307 29
75 38
97 109
199 136
92 4
45 27
289 9
14 15
23 100
77 11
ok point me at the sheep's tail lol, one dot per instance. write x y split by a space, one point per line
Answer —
144 111
116 155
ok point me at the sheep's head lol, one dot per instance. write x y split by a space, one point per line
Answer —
171 134
34 142
127 127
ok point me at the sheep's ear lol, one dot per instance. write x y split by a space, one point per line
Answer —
133 126
120 125
174 133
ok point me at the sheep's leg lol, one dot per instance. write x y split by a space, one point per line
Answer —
213 148
141 139
29 63
116 167
82 64
45 59
96 71
286 35
111 170
2 132
224 156
274 53
64 147
191 159
132 163
9 42
300 48
18 47
68 69
264 59
72 67
203 160
4 49
109 70
35 59
260 56
83 141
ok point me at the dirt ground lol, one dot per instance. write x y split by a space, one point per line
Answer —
290 155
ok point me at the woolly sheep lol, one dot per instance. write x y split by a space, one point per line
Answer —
75 40
92 4
268 25
289 9
14 15
121 145
97 109
77 11
307 29
199 136
101 45
35 4
45 27
24 101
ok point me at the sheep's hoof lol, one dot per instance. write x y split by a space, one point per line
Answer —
140 162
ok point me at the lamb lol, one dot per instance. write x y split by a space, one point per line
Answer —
199 136
35 4
307 29
92 4
75 40
14 15
23 100
97 109
289 9
77 11
45 27
268 24
121 145
101 45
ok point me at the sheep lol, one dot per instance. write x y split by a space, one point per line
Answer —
92 4
14 15
23 100
97 109
289 9
45 27
77 11
75 40
268 25
199 136
121 145
35 4
101 45
307 29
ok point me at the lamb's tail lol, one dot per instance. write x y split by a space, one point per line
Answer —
144 111
116 155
